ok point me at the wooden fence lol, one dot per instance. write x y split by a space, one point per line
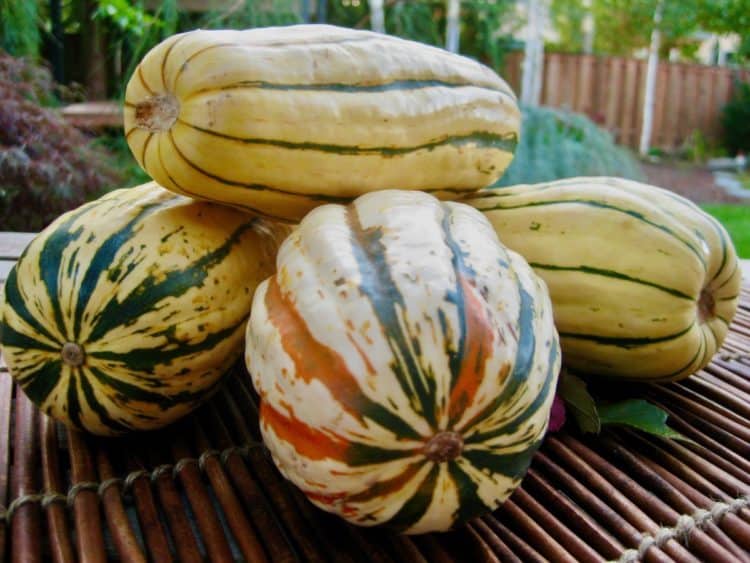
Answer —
689 97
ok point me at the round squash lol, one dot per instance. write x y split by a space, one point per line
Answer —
406 362
124 313
643 282
280 120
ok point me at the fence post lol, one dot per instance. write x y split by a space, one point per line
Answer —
653 65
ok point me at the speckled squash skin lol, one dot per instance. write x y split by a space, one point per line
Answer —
124 313
405 360
643 282
280 120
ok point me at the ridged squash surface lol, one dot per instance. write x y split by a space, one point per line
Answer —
279 120
124 313
405 360
643 282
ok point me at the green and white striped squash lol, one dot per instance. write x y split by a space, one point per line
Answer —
405 360
643 282
124 313
280 120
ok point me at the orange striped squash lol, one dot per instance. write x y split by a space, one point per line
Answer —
406 361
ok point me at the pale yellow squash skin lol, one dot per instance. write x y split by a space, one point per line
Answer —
280 120
643 283
124 314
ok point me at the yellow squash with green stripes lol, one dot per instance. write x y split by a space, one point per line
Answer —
643 282
279 120
124 313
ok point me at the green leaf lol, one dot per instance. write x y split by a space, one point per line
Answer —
581 404
641 415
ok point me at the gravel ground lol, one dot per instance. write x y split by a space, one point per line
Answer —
694 182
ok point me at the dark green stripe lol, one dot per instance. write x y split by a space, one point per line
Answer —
470 504
379 287
731 276
416 507
146 296
602 205
714 223
457 298
513 425
730 298
39 383
359 455
322 198
103 258
522 365
15 301
482 139
287 44
73 404
669 376
621 342
611 274
511 464
10 337
127 392
148 359
395 85
104 417
50 263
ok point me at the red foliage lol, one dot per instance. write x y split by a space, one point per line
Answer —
46 166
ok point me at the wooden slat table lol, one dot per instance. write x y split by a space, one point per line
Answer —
205 488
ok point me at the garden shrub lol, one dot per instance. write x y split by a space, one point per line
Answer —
561 144
735 120
47 166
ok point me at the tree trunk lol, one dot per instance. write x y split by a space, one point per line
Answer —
533 61
94 53
377 16
452 29
322 11
648 97
589 28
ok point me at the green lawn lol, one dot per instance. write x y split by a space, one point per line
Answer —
736 219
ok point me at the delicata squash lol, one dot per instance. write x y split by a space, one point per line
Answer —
643 282
280 120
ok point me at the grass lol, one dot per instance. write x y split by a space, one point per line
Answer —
736 220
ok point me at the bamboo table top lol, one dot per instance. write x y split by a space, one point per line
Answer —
206 490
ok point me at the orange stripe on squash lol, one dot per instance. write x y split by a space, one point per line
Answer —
306 441
478 344
312 359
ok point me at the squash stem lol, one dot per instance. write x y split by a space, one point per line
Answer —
444 446
157 113
706 306
72 354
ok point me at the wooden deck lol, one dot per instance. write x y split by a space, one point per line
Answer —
205 489
94 115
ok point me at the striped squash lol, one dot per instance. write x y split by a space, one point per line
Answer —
643 283
405 360
124 313
279 120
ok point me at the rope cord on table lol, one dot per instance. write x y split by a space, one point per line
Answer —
126 483
729 356
686 524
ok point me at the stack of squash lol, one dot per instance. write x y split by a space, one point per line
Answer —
403 337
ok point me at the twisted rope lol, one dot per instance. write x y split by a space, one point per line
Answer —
734 356
686 525
125 484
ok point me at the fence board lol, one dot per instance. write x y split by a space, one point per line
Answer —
610 90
